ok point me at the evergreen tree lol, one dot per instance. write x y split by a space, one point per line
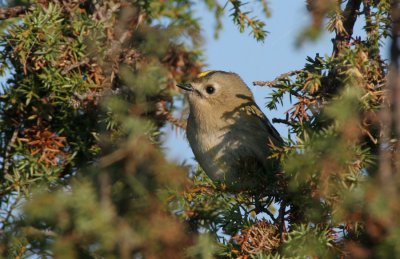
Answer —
91 83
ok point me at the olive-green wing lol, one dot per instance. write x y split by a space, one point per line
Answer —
256 114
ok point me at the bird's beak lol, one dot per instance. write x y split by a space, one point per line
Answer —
186 87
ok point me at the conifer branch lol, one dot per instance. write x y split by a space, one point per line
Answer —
349 19
276 120
282 77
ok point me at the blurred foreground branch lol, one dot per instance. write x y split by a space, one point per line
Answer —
390 144
6 13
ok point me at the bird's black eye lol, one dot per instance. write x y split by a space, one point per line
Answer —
210 89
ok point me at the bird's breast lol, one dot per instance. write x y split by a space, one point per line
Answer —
210 145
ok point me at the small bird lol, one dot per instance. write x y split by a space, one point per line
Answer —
230 136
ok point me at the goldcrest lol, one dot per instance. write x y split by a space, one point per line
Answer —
230 136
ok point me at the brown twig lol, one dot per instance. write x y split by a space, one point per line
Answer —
259 208
15 185
281 219
6 13
269 213
6 165
88 95
44 232
76 103
276 120
5 190
75 65
10 211
282 77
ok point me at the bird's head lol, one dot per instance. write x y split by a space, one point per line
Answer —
213 89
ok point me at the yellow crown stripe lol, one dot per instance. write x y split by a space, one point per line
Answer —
205 73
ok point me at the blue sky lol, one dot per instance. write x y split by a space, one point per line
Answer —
253 61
